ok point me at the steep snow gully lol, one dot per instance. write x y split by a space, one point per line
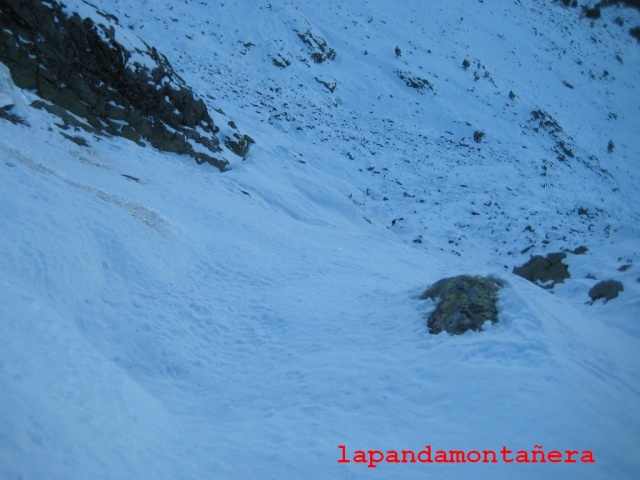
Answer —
162 319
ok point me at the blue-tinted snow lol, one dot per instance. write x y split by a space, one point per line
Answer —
193 324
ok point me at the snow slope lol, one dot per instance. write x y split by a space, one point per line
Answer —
161 320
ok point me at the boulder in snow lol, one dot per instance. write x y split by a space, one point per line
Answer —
607 289
544 271
463 303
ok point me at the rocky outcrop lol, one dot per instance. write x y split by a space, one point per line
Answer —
414 81
130 91
317 45
607 289
463 303
544 271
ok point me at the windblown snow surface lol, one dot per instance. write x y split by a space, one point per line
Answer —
159 319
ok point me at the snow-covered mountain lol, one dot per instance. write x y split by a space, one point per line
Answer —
161 319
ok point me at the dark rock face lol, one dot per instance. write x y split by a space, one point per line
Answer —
81 67
462 303
544 270
607 289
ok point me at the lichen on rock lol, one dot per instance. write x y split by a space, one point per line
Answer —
463 303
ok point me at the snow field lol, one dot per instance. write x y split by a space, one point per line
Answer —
159 319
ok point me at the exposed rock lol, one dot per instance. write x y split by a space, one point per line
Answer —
82 68
542 270
7 114
546 123
330 86
415 81
317 45
281 62
607 289
239 144
463 303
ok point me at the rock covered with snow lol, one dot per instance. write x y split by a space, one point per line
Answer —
11 98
